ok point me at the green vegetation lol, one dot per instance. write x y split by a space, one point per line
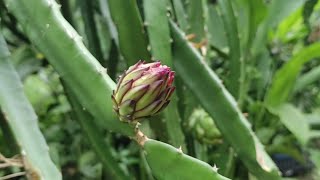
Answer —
246 103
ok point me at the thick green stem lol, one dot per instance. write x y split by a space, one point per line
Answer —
22 120
236 76
196 20
180 14
91 29
222 107
46 28
132 41
176 164
155 14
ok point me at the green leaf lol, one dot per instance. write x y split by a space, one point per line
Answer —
23 120
277 11
285 78
291 27
294 120
304 80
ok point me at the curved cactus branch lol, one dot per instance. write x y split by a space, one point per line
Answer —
132 41
155 14
170 163
23 121
60 43
219 103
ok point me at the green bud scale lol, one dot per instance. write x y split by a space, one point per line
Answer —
142 91
203 127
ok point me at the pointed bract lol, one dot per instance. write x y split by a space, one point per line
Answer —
150 95
127 108
123 89
147 111
137 92
142 91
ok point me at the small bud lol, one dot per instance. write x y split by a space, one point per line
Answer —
203 127
142 91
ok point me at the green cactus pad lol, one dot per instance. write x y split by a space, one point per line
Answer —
170 163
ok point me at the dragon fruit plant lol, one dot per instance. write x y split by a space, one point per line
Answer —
228 107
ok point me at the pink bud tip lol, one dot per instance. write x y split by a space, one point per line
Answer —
157 77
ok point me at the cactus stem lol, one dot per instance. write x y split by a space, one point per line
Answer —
140 137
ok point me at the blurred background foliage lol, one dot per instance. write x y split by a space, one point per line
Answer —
272 46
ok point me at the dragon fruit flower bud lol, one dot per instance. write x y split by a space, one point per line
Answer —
142 91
